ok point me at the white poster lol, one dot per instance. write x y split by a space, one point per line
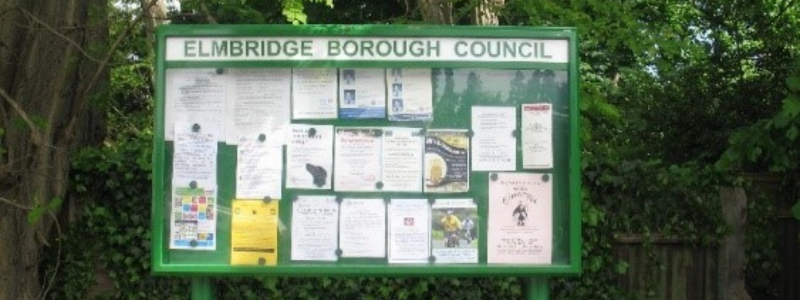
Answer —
537 136
358 159
195 155
410 94
314 93
520 218
454 228
494 146
315 224
409 231
362 94
258 99
193 218
259 167
194 95
309 157
401 159
362 228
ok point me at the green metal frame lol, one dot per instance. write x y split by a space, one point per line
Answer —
162 258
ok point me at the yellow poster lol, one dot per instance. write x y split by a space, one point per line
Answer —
254 232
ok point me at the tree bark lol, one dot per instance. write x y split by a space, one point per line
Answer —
48 72
732 258
436 11
485 13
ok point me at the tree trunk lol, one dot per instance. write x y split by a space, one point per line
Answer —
485 13
49 60
436 11
732 259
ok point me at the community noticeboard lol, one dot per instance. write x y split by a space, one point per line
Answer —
366 150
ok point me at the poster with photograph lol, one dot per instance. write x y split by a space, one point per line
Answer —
454 231
362 94
259 167
410 94
494 144
357 159
193 218
309 157
258 101
446 161
537 136
409 231
314 93
520 229
315 228
254 232
195 95
401 159
362 227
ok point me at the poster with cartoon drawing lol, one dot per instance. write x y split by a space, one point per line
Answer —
520 224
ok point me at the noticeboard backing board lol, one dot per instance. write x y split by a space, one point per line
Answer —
472 71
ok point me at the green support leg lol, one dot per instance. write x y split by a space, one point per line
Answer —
538 289
202 289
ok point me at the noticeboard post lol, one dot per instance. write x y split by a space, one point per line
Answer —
366 151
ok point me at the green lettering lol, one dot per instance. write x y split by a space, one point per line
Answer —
333 48
251 47
188 48
236 48
219 48
305 48
461 52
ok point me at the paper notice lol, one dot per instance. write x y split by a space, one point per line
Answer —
454 228
401 159
259 167
258 99
409 231
410 94
446 161
314 93
194 95
195 156
193 221
362 228
254 232
537 136
357 159
520 218
494 146
315 224
362 94
309 157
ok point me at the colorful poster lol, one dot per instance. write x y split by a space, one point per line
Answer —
362 94
537 136
409 231
314 93
454 231
258 100
254 232
309 157
358 159
193 221
494 145
315 228
362 228
410 94
259 167
401 159
194 95
520 218
446 161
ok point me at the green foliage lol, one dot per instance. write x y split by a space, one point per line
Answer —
51 207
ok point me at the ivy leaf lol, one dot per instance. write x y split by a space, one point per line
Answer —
35 214
791 134
621 267
793 83
796 210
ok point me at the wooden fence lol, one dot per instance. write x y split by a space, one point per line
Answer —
668 269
